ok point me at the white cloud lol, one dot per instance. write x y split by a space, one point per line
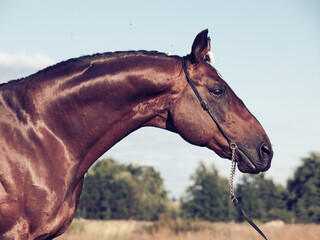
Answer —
13 66
35 61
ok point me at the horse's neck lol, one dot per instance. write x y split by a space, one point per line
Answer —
92 112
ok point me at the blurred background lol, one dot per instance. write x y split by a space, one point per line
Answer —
267 51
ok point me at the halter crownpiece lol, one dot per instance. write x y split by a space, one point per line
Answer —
233 147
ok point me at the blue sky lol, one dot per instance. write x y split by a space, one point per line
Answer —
268 52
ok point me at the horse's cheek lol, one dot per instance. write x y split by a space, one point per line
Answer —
190 123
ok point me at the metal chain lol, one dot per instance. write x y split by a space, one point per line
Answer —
233 148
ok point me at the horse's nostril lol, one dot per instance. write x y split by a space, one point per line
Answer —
265 151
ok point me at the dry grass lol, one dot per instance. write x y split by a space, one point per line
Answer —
184 230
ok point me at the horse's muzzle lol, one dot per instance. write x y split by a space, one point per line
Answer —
254 161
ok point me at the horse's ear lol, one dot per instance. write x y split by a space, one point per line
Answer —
200 46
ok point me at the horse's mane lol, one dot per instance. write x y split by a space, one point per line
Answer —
84 60
109 55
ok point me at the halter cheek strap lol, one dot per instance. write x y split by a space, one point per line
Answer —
233 147
203 103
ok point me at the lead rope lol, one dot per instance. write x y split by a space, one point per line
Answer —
233 197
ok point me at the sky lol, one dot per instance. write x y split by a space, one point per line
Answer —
267 51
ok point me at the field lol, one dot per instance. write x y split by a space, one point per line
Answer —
82 229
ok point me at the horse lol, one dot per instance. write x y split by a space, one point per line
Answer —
56 123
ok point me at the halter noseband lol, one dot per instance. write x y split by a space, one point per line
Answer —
233 147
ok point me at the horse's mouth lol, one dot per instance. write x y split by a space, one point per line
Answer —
247 165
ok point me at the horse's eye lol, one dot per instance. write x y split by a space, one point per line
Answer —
217 92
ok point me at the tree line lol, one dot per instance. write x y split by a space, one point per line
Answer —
117 191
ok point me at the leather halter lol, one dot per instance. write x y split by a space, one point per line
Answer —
233 146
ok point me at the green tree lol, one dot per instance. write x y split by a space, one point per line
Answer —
262 199
304 190
116 191
247 193
207 198
150 189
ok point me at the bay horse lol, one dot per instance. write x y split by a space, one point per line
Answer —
57 122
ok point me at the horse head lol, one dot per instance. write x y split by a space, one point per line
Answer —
233 121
